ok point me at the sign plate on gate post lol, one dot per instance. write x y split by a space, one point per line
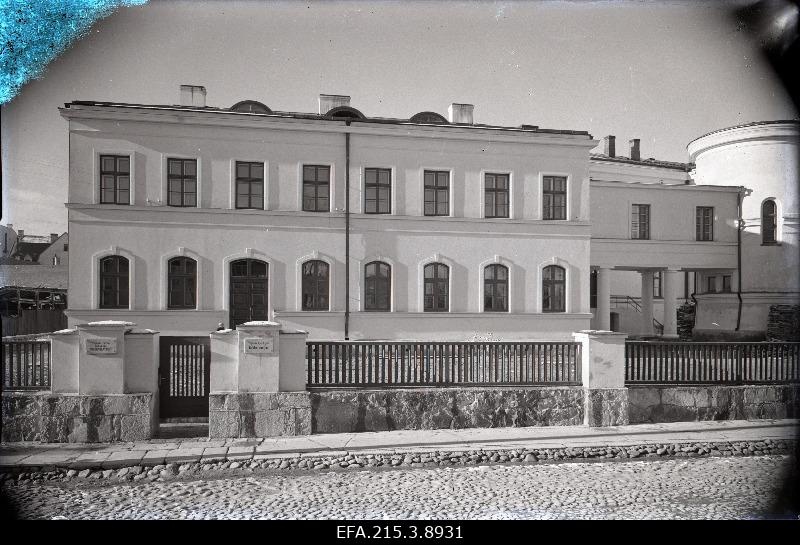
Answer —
101 345
258 345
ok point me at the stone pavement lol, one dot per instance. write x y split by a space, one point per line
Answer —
201 450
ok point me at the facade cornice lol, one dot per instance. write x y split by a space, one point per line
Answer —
671 187
309 123
775 131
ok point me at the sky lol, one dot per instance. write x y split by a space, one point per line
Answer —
663 72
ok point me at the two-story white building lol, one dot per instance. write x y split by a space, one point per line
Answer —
183 217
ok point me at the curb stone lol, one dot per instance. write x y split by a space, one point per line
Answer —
343 461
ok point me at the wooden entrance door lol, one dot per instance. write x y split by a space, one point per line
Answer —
248 291
184 376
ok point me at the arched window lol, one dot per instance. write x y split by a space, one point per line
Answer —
495 288
437 287
377 286
769 222
315 285
114 282
553 289
181 283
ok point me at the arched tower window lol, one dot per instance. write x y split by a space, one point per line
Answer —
769 222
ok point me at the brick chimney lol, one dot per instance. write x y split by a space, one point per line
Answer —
460 113
21 233
635 153
329 102
53 237
193 95
609 145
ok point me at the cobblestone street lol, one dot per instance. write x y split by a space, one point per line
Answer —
709 488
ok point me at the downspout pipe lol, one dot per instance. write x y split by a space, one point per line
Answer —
347 232
739 227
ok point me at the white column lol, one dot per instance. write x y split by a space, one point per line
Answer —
647 303
670 291
603 299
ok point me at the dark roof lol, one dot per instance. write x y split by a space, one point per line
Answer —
300 115
33 276
33 249
686 167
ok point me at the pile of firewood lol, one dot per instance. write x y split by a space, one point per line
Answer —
686 316
783 323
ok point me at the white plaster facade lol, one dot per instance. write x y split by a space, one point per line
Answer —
214 233
595 232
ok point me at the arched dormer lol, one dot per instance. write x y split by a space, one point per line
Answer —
250 107
428 117
347 112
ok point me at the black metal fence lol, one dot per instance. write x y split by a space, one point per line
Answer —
648 362
26 363
397 364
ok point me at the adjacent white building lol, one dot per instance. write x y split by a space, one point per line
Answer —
183 217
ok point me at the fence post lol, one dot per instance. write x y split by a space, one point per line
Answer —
603 377
258 381
739 348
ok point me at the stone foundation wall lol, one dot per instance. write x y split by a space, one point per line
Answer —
264 414
606 407
695 403
344 411
74 418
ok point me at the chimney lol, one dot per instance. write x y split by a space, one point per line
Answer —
21 233
635 154
53 237
609 145
193 95
460 113
329 102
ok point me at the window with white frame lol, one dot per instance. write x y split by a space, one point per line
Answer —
436 287
115 179
496 196
495 288
554 198
553 289
377 286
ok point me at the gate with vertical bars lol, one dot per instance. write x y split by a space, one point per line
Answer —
184 370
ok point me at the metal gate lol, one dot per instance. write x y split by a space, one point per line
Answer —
184 376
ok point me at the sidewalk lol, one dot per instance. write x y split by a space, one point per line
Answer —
182 451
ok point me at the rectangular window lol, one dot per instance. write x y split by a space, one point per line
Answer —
726 283
249 185
377 191
640 221
657 276
437 193
554 198
115 179
711 284
496 194
316 188
182 182
704 223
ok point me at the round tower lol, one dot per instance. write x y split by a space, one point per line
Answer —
763 157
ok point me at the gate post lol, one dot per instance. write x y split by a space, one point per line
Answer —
603 377
258 382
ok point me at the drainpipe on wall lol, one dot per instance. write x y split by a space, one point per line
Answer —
347 233
739 227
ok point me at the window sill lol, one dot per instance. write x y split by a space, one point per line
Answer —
771 244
